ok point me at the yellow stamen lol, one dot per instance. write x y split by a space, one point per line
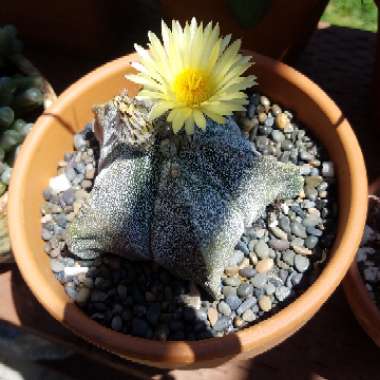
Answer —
192 87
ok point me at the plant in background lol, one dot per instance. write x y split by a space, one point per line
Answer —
192 75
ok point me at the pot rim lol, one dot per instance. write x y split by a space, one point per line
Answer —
182 353
362 305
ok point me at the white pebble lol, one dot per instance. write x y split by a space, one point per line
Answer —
285 208
60 183
70 272
328 169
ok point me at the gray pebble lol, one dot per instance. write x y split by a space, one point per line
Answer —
277 135
282 293
299 230
247 272
284 223
98 296
117 323
259 280
229 291
46 234
261 249
269 289
139 327
301 263
311 242
224 308
314 231
279 244
312 221
68 196
221 324
288 257
279 233
233 302
247 304
56 265
236 258
245 290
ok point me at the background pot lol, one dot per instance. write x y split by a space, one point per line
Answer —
25 67
365 310
277 28
52 137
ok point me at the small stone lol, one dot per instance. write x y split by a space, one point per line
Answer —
247 304
249 316
232 281
59 183
83 294
122 291
311 193
311 242
328 169
236 258
221 324
301 250
284 223
238 322
265 102
247 272
98 296
46 234
259 280
212 315
287 145
117 323
262 117
279 233
265 303
56 265
278 244
253 258
282 120
301 263
233 302
68 196
245 290
229 291
261 249
282 293
312 221
298 229
139 327
231 271
278 136
288 257
264 265
270 289
90 173
224 308
313 181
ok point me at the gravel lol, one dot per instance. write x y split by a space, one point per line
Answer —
275 260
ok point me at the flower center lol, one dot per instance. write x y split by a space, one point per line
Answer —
191 87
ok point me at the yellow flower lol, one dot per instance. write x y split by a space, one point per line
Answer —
194 73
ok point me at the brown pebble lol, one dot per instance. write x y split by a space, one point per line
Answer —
265 303
238 322
231 271
264 265
262 117
282 121
302 250
212 315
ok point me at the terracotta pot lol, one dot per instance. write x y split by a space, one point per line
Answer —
280 29
365 310
52 137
